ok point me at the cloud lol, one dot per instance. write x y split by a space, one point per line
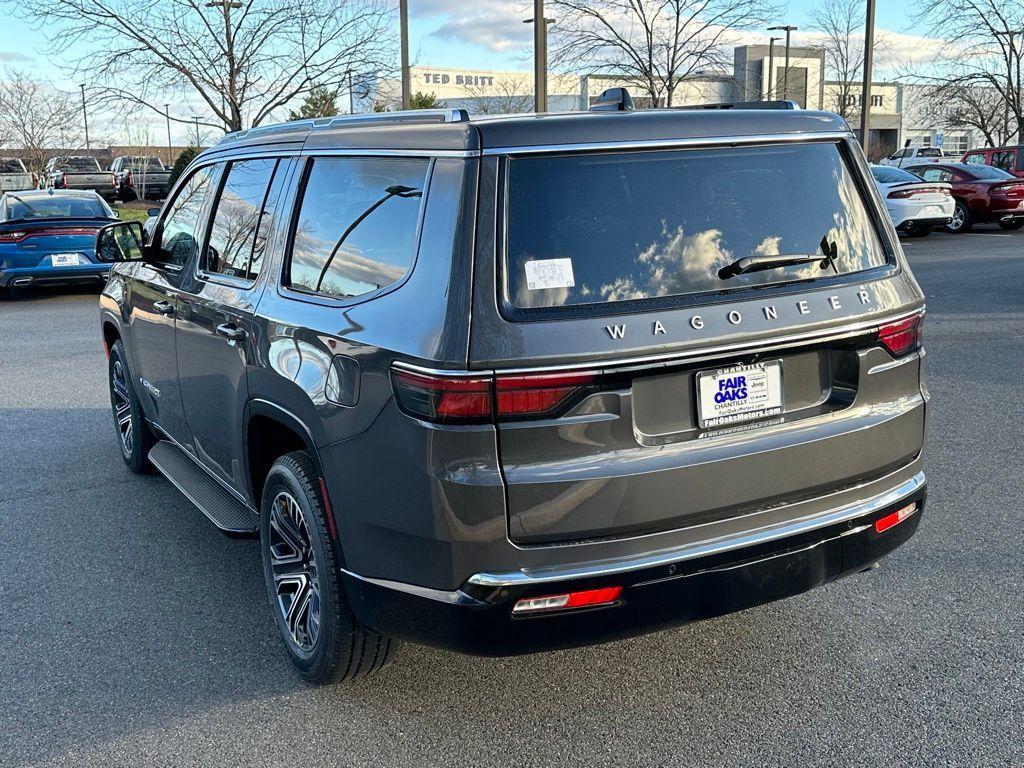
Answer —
494 25
14 56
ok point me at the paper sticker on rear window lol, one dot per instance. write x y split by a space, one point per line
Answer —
549 273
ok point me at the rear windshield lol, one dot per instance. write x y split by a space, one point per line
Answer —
144 163
886 174
988 172
8 165
50 207
600 228
81 164
929 152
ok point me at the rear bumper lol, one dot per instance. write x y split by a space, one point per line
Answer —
660 590
27 276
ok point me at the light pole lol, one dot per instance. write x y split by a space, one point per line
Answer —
771 66
85 116
1013 35
170 152
788 29
403 19
540 56
351 110
865 96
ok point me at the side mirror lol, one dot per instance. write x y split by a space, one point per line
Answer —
121 241
153 212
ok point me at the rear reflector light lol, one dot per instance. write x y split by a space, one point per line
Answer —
895 518
478 399
901 337
589 598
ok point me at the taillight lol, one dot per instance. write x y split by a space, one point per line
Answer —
904 194
1010 187
12 237
473 399
901 337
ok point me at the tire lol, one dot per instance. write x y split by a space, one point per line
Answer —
133 433
1012 225
918 230
961 221
323 639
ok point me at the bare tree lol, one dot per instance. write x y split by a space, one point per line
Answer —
506 96
36 117
840 24
956 106
984 49
651 44
241 61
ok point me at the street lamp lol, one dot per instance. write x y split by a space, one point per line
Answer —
403 22
788 29
85 116
540 56
771 66
865 97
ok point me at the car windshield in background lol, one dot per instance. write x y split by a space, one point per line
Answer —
598 228
55 208
886 174
81 165
988 172
11 166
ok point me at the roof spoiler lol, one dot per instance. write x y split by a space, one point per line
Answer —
613 100
745 105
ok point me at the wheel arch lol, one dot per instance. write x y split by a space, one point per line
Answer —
271 432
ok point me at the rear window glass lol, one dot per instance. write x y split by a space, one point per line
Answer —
929 152
356 229
81 164
888 175
11 166
55 207
617 227
988 172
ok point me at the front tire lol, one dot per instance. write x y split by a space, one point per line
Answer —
323 638
961 221
133 433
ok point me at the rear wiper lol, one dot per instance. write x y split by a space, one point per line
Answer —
747 264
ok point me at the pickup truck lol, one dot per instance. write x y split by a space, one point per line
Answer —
135 177
902 158
78 172
14 176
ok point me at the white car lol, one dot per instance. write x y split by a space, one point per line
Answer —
913 156
915 206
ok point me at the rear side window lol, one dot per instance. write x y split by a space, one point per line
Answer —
603 228
236 222
1004 160
357 222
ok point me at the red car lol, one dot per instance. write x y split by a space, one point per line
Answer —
982 194
1009 159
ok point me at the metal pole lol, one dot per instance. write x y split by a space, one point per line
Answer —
351 108
771 66
170 152
85 117
540 57
785 71
869 45
403 14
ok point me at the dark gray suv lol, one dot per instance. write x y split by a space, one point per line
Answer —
523 383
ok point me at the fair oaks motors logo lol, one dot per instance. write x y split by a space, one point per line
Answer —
735 317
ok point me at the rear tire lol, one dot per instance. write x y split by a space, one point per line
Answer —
918 230
323 638
133 433
1012 225
961 221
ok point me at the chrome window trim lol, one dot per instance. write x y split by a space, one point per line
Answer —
525 577
703 141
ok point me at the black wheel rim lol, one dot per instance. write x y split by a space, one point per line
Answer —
122 405
296 577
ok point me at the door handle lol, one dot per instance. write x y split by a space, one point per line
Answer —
230 331
164 307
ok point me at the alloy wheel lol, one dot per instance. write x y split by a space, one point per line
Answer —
957 222
122 407
296 577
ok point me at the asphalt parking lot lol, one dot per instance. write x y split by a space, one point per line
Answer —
132 633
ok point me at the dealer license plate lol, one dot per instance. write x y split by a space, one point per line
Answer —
740 393
64 259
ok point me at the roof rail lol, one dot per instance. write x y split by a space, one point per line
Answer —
613 100
745 105
324 123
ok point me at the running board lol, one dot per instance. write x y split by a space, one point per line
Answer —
229 514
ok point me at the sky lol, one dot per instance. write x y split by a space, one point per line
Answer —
468 34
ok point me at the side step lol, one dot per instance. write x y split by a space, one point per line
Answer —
225 511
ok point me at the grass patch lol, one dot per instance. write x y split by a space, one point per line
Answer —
128 213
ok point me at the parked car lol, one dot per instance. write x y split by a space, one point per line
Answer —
913 156
915 206
14 175
49 237
983 194
77 172
136 177
1009 159
511 384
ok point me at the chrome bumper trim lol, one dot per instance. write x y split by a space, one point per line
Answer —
526 577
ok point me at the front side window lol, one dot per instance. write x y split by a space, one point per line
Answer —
178 234
357 223
594 229
237 217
